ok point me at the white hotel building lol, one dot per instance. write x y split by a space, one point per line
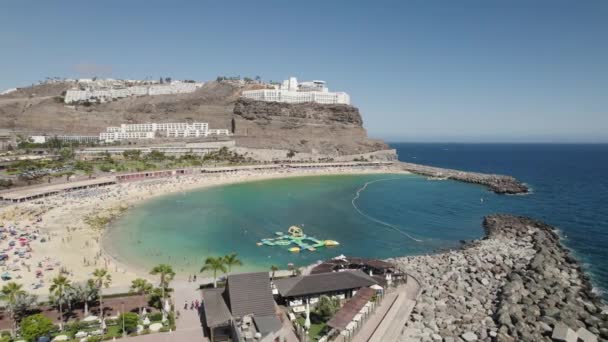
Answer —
290 91
104 92
170 130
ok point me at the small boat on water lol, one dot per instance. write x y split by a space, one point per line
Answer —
294 249
331 243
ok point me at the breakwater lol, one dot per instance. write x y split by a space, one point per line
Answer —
516 284
500 184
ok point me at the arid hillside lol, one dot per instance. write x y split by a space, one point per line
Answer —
301 127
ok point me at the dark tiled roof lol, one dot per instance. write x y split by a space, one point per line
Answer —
351 309
216 311
250 293
267 324
351 263
323 282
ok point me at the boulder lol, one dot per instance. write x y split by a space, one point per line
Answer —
585 335
562 333
470 336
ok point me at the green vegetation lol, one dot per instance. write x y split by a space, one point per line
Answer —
214 264
17 302
65 164
85 293
317 328
101 278
62 291
128 322
60 288
232 260
166 274
327 307
5 183
36 326
141 287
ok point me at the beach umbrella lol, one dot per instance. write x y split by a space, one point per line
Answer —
307 322
144 312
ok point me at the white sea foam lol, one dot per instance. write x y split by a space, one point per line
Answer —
375 219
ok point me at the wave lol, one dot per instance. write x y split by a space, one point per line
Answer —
357 195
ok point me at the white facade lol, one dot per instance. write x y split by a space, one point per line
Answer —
170 130
218 132
109 90
118 136
290 91
41 139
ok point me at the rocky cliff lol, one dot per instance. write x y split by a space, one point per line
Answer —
306 127
328 129
312 128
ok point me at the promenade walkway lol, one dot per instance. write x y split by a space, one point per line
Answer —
189 326
389 319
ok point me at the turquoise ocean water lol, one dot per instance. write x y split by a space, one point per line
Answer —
371 215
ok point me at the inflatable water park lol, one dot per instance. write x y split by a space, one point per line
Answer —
295 236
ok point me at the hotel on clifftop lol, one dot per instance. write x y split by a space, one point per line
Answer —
290 91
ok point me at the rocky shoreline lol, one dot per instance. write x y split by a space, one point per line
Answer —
516 284
500 184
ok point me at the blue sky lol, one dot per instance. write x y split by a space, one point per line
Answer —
473 71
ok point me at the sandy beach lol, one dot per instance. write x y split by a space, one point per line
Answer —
64 232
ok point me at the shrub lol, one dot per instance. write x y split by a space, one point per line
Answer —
35 326
156 317
327 307
130 320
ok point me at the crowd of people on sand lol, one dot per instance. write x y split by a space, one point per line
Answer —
18 241
61 218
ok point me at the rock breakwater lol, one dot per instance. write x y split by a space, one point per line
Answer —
517 284
500 184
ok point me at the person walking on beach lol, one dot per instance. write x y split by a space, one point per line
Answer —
186 304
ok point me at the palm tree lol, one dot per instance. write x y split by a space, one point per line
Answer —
273 268
101 278
214 264
59 288
232 260
142 287
10 294
85 292
166 275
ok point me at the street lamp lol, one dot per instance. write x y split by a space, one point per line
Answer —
124 332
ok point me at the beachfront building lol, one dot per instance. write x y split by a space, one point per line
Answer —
169 130
290 91
244 310
295 292
172 149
